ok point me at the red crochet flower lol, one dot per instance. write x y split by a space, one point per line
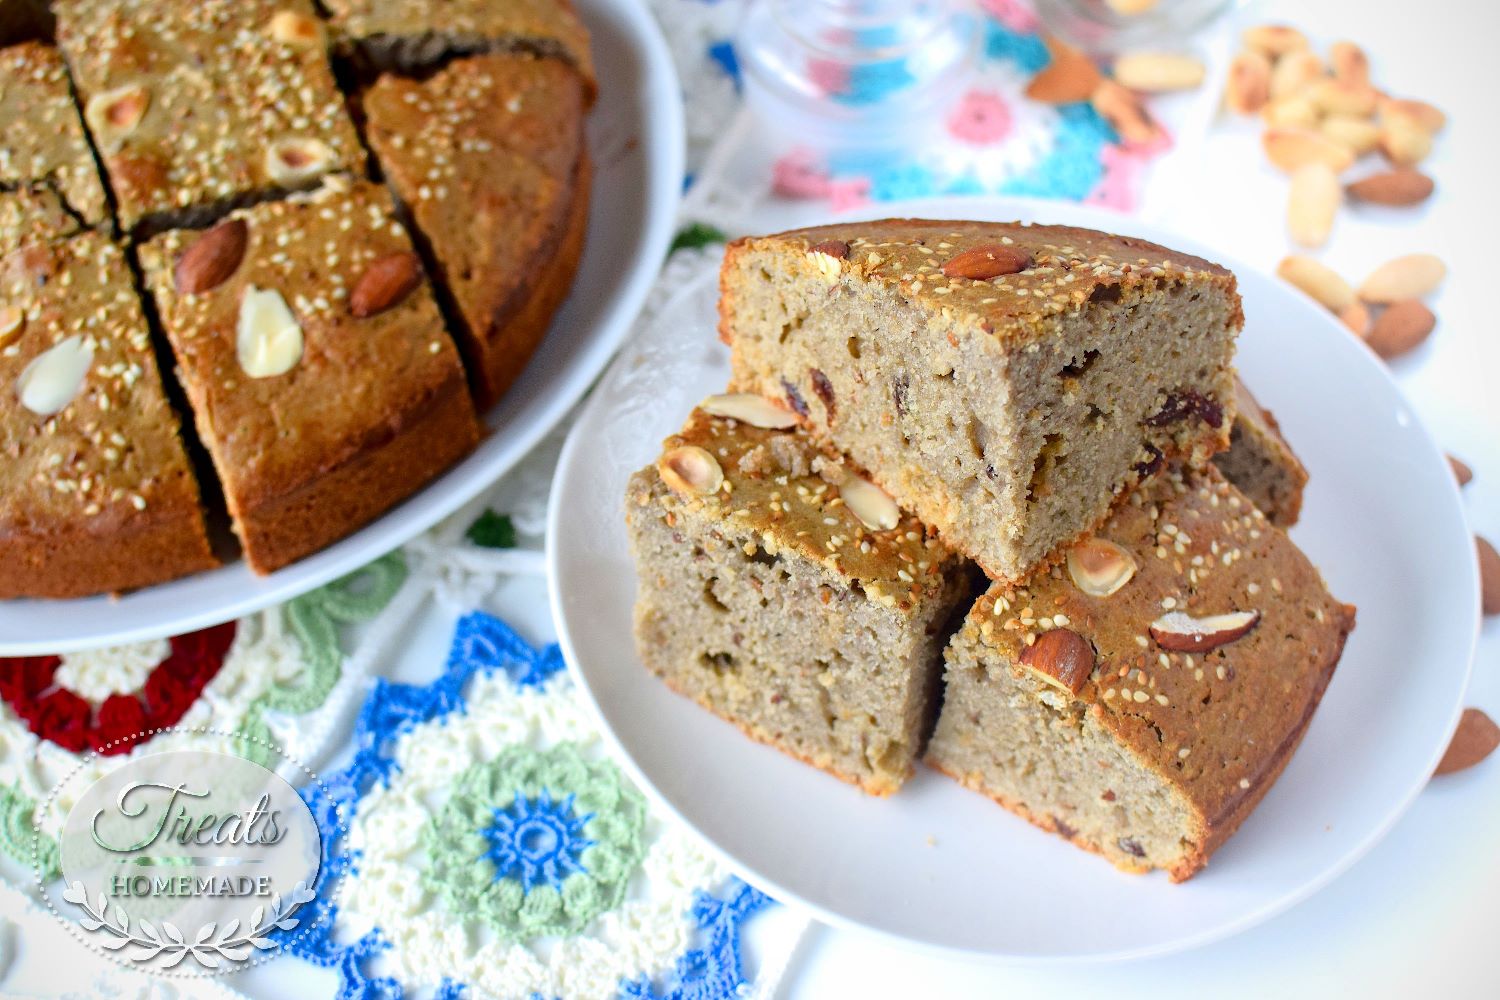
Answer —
60 715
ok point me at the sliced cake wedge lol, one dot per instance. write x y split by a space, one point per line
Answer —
1141 698
1261 463
785 593
1005 383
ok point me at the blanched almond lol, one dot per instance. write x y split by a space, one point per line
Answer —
1356 316
1130 8
1360 135
1403 141
1275 39
1158 72
112 115
1476 738
1182 633
1400 328
1402 186
690 469
1340 97
12 318
297 160
748 408
1296 111
1412 276
297 30
1099 567
1426 115
1070 77
268 340
1290 148
1349 63
1318 280
871 504
55 377
1249 85
1294 73
1313 204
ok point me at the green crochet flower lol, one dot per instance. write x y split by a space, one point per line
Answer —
536 842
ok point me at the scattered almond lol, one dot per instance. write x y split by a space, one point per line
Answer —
1130 8
1426 115
1400 328
1402 186
985 262
1403 141
871 504
1061 657
1291 148
1475 739
1339 97
1182 633
112 115
748 408
55 377
1314 202
1356 316
268 340
1318 280
1360 135
12 319
1275 39
1412 276
297 160
297 30
385 283
1159 72
1461 470
1294 73
1296 111
1249 85
1071 76
1349 63
1126 115
689 469
1099 567
1489 576
212 258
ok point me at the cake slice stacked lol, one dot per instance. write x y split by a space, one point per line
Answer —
1050 403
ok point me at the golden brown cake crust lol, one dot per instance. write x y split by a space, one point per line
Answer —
98 496
1219 725
274 103
43 138
488 156
1068 268
363 385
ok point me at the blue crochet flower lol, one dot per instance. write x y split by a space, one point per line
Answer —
537 840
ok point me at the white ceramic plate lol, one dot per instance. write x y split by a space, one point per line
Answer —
945 868
636 140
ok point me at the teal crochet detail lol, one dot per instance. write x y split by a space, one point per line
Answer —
315 619
19 839
553 882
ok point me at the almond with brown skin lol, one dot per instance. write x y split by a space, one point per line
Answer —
837 249
1475 739
1071 76
1489 576
1400 328
1126 114
989 261
1399 187
1061 657
212 258
385 283
1461 470
1182 633
1249 85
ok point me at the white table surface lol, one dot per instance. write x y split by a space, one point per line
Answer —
1418 916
